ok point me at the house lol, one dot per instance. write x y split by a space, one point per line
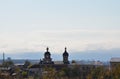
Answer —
114 62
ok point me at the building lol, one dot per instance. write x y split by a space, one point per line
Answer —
82 68
48 60
114 62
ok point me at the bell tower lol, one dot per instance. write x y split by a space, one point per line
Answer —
47 57
65 57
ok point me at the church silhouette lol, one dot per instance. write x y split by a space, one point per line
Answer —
48 60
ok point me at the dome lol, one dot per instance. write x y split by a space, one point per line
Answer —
65 53
47 52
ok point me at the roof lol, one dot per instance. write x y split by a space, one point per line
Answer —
65 53
58 62
84 62
115 60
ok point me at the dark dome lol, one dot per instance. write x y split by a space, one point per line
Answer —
65 53
47 52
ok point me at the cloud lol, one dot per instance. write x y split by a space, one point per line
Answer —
74 39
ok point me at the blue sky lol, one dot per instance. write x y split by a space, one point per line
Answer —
81 25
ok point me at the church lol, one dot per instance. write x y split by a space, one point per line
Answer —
42 68
48 60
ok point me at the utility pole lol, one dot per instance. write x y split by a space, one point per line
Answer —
3 57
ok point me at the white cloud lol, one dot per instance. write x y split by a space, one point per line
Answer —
74 39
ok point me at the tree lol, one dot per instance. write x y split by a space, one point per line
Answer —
97 73
116 72
27 64
8 63
24 74
49 73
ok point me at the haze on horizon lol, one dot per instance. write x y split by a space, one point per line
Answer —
80 25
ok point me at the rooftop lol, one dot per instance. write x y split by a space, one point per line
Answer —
115 60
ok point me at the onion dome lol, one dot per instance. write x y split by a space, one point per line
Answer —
65 53
47 52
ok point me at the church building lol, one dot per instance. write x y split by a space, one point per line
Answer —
48 60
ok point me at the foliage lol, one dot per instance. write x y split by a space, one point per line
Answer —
49 73
73 72
27 64
24 74
115 74
8 63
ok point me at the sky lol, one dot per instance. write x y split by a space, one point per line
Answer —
79 25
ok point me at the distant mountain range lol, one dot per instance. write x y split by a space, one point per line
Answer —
102 55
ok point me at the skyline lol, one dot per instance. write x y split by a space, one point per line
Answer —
88 55
31 26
